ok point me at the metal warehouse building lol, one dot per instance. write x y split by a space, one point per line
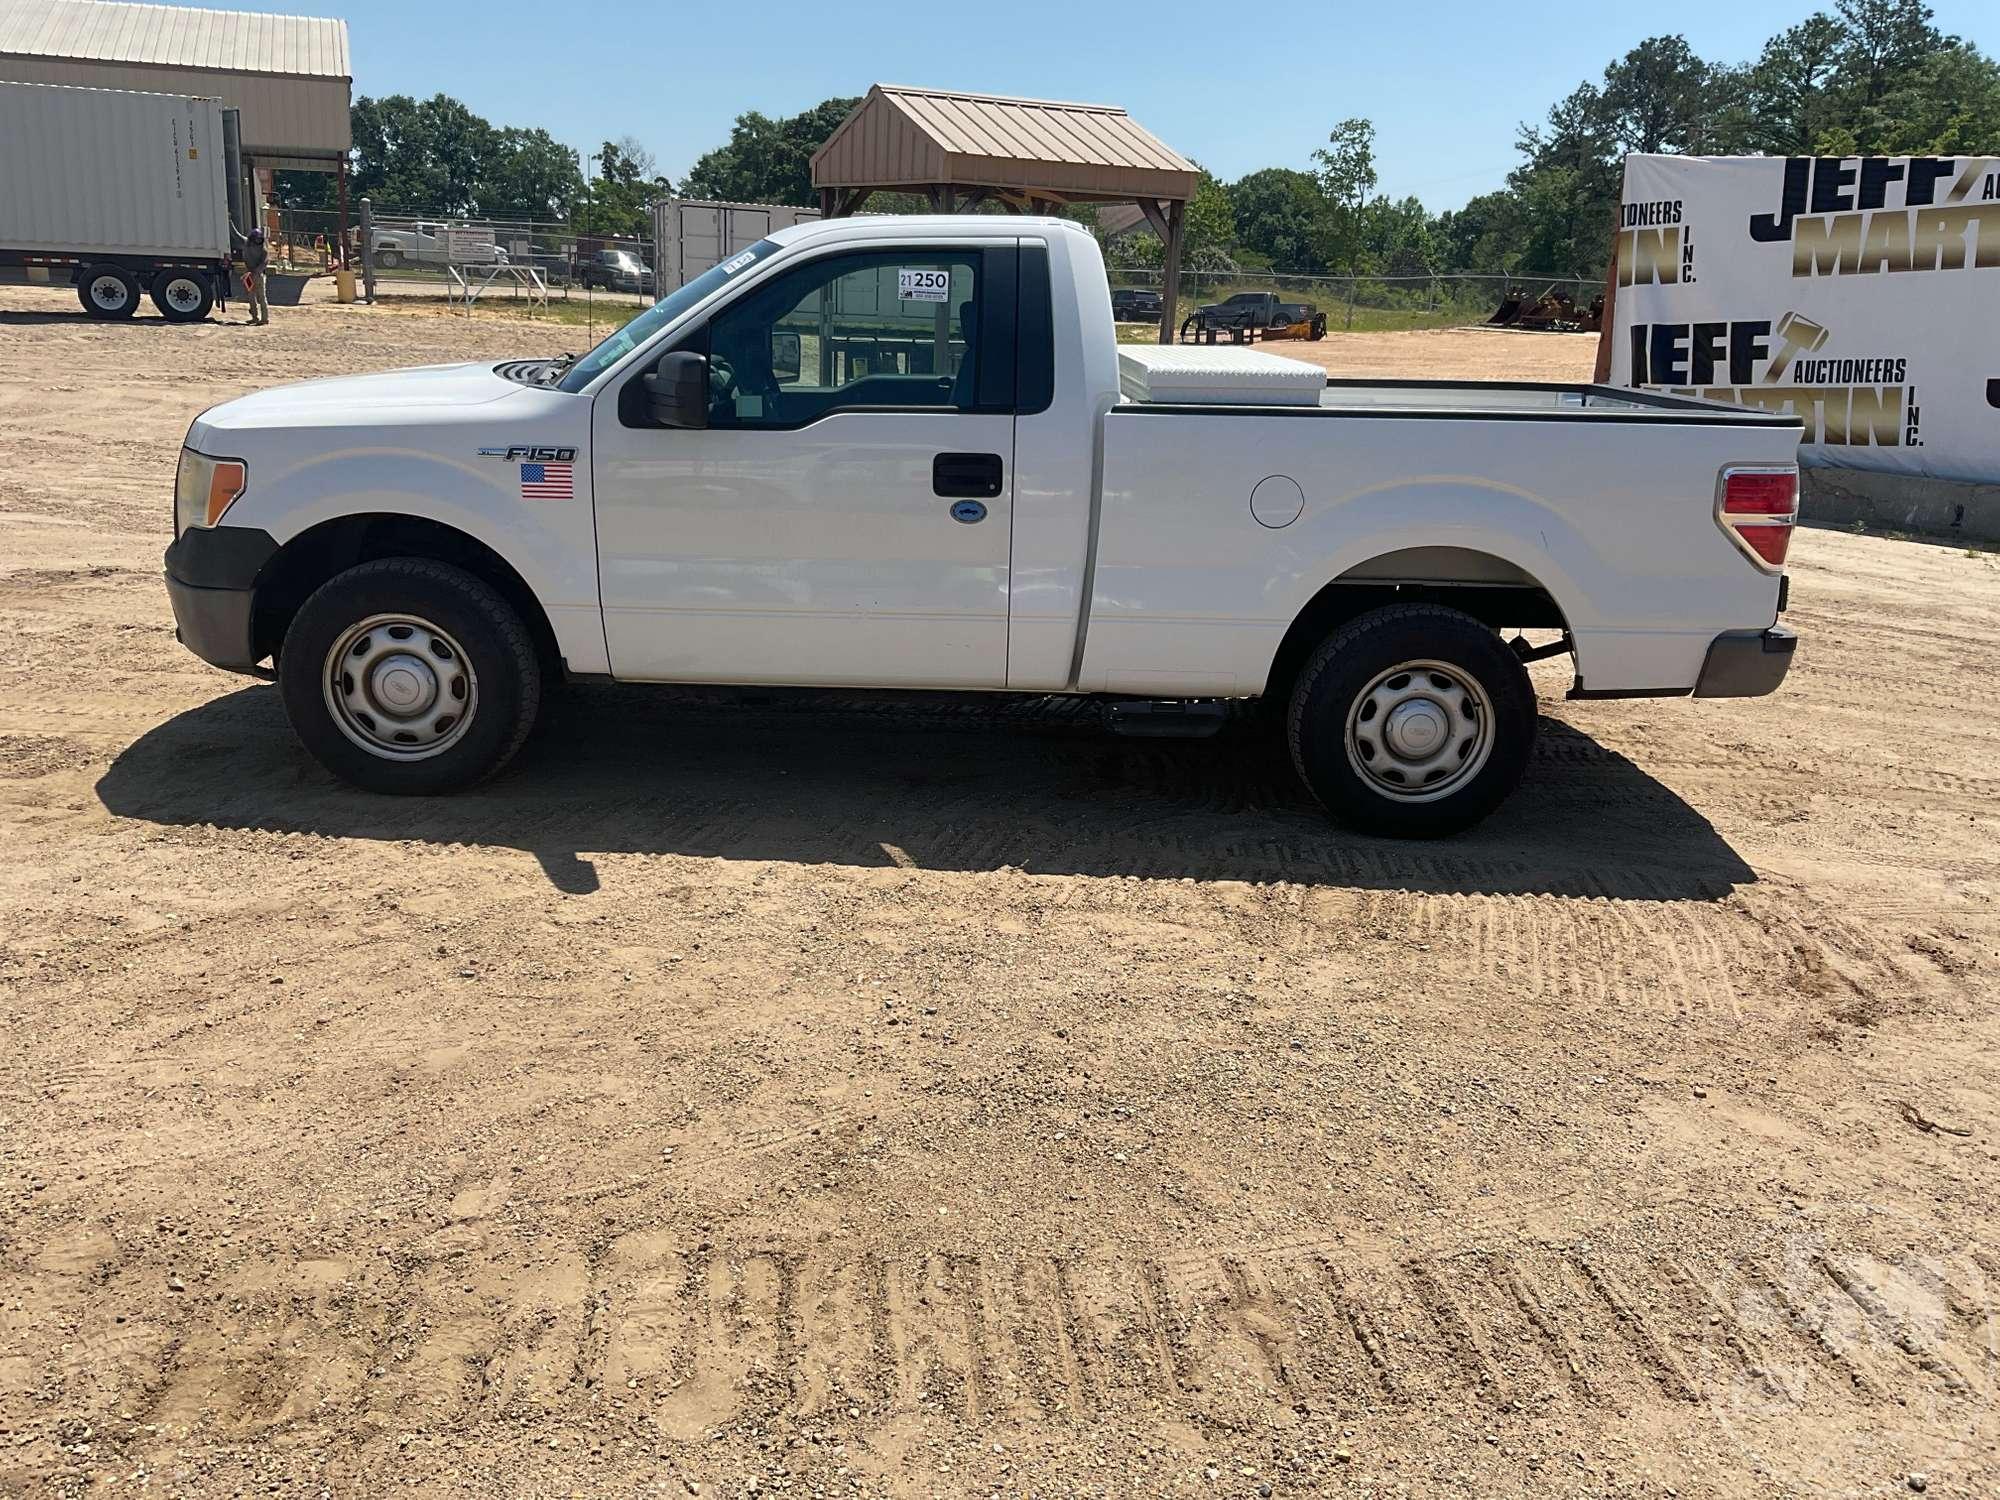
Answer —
289 76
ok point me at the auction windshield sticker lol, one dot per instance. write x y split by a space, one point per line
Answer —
923 284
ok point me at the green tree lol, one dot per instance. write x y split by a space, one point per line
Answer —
1487 236
1399 237
1790 89
1655 98
1277 213
1882 40
627 182
1946 103
767 160
1346 179
529 175
425 156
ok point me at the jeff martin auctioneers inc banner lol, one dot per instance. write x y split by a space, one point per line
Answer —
1862 293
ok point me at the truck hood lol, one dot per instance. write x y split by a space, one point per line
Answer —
380 399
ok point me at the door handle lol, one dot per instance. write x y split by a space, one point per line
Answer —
973 476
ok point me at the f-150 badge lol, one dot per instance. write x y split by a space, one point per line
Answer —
530 455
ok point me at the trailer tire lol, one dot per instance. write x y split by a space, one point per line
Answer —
108 292
1412 721
409 676
183 296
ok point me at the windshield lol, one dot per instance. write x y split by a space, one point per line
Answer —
616 346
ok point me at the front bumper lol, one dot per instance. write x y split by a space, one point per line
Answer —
1746 663
212 583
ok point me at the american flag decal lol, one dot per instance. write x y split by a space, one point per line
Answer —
546 481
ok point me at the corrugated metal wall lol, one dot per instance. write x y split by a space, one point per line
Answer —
133 174
281 115
691 234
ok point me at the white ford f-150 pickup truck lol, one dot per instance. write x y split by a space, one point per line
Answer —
909 453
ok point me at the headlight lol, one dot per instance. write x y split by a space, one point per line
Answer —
205 487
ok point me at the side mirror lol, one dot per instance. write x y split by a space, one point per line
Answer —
677 390
784 356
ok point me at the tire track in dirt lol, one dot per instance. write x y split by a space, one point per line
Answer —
701 1335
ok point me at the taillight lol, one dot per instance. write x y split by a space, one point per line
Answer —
1759 508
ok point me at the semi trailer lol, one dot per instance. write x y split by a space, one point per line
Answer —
125 196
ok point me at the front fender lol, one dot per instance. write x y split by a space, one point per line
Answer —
550 543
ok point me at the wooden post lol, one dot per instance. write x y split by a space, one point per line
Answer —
367 251
1170 295
341 237
828 201
1600 373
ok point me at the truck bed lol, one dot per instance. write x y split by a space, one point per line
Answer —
1218 523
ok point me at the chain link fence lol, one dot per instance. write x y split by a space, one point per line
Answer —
414 254
1386 303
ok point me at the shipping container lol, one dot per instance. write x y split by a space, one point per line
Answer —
128 193
692 234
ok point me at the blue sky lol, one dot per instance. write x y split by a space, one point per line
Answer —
1445 81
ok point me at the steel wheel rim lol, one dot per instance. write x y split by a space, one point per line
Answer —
399 687
1420 731
182 294
109 293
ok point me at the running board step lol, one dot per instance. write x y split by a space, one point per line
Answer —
1166 718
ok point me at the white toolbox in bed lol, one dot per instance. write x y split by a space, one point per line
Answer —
1211 374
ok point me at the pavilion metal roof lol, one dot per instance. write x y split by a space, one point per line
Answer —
911 137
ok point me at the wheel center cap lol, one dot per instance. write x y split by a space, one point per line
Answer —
404 685
1415 730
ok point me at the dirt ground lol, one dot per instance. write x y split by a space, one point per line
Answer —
838 1097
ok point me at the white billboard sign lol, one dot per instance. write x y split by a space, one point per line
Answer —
1862 293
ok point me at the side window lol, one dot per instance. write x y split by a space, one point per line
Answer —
873 329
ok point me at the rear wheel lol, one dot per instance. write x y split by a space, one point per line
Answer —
1412 721
409 676
108 292
182 296
387 259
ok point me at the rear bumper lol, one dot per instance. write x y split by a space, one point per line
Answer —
212 584
1746 663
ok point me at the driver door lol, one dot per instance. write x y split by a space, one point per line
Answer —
845 516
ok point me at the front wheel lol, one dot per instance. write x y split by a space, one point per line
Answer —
409 676
1412 721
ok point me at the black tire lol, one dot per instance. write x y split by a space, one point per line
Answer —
108 292
486 635
388 260
183 296
1359 659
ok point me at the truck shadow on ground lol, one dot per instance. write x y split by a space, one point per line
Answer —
956 782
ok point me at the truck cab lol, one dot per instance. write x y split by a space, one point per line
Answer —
908 452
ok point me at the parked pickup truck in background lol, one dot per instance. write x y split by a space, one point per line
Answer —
615 271
904 452
430 244
1240 314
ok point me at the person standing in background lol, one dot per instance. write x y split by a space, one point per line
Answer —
255 258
